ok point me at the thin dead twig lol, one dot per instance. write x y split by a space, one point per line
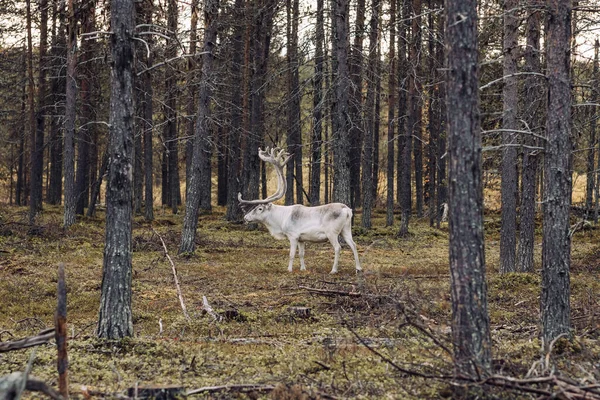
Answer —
236 388
179 294
326 292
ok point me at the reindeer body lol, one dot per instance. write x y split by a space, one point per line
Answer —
300 224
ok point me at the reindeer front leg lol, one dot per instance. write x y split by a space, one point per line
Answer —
301 254
293 244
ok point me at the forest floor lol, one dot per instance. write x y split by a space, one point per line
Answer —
364 336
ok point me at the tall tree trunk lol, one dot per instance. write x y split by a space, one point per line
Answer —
594 123
389 221
367 167
70 104
203 131
260 47
171 147
356 106
470 320
318 100
20 184
592 143
341 135
433 123
556 244
57 88
294 134
82 174
509 185
412 122
115 316
533 117
33 207
192 77
37 137
415 106
404 16
235 132
442 190
148 123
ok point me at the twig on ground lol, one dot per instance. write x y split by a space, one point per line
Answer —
179 294
234 388
41 338
326 292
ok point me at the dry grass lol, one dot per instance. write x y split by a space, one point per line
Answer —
244 270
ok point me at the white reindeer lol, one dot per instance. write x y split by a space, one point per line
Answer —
297 223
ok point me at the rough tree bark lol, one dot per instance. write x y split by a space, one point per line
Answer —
368 143
148 123
355 102
70 103
389 221
115 316
82 173
508 227
556 242
294 134
470 320
202 133
37 136
235 132
57 87
318 99
416 105
340 135
532 115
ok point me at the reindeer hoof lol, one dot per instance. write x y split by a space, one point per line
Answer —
333 272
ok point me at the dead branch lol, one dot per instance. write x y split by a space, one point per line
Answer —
8 384
41 338
60 323
179 294
326 292
235 388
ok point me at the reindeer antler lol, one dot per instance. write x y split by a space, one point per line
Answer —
278 158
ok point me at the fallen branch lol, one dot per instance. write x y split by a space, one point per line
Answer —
41 338
8 384
235 388
326 292
179 294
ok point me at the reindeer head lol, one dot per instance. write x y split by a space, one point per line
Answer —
278 158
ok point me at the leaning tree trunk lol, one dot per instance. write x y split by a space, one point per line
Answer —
509 186
115 317
202 134
470 320
556 243
532 115
70 102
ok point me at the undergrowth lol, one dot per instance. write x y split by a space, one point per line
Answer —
399 312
